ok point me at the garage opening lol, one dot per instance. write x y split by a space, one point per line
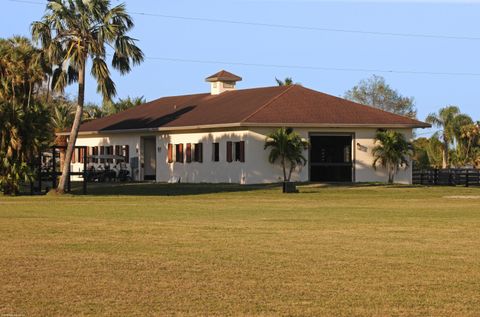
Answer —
331 158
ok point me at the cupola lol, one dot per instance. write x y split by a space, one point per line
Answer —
222 81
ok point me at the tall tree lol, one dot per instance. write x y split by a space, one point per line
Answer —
286 147
375 92
75 31
468 143
288 81
23 120
450 120
392 151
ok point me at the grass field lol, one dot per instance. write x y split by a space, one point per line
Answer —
231 250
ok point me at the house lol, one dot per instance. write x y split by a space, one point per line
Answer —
219 137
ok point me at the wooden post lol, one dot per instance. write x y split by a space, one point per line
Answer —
421 177
466 178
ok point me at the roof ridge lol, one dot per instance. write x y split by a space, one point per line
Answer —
268 102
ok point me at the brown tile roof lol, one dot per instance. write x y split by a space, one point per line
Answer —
223 75
282 105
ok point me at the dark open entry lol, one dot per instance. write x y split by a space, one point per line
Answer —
331 158
149 158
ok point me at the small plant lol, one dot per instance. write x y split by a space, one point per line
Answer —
391 152
286 147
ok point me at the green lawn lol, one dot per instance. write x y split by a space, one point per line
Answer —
233 250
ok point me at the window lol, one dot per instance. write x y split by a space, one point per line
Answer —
228 84
102 152
229 151
189 152
179 153
170 153
95 153
240 151
198 154
126 153
117 150
216 152
109 152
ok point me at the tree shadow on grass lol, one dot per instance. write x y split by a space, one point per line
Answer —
313 187
163 189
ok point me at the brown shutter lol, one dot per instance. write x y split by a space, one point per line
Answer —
189 152
89 153
81 152
73 155
170 153
242 151
180 153
200 152
229 151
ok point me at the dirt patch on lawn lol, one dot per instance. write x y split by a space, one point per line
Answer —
462 197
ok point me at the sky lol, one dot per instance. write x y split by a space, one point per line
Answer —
183 46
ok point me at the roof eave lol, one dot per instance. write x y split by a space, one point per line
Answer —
341 125
253 124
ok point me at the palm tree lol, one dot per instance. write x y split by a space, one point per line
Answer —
287 82
391 152
23 121
123 104
450 120
92 111
75 31
468 139
286 147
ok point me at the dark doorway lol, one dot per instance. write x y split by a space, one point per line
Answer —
149 158
331 158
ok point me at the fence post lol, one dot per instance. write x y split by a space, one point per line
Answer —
54 170
435 176
421 177
466 178
40 173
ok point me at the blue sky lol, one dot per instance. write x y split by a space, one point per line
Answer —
207 41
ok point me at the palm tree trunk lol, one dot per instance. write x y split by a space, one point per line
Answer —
292 167
48 89
75 127
284 170
445 155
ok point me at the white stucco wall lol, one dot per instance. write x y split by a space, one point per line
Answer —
255 169
362 155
